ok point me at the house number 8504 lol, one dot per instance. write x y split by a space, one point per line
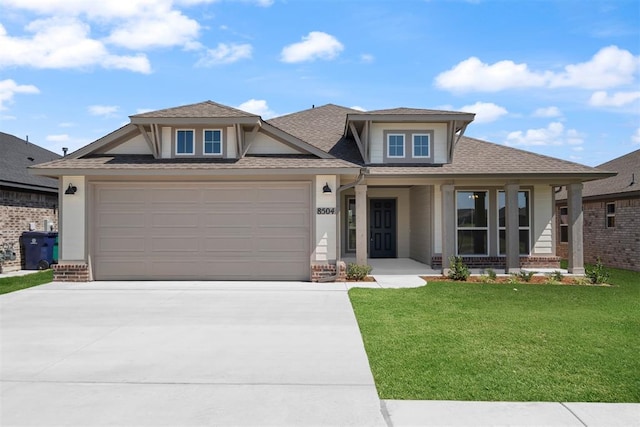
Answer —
326 211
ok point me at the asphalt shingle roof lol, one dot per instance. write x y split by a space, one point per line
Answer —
206 109
16 155
627 180
411 111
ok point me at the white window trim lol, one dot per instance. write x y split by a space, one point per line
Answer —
404 148
193 146
609 215
413 147
528 228
472 228
204 142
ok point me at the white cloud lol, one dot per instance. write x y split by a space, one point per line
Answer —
316 45
485 112
59 43
103 110
163 28
553 134
357 107
57 138
257 106
547 112
635 138
474 75
609 67
367 58
618 99
225 54
8 88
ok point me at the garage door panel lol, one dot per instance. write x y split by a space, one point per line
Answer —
224 231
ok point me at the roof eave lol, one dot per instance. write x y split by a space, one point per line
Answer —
170 121
198 172
409 118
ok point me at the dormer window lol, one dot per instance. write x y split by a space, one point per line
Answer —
212 142
185 142
421 145
395 145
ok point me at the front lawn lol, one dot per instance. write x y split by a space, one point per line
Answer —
16 283
525 342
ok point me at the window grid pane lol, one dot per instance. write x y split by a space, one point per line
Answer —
472 209
421 145
184 143
212 142
396 146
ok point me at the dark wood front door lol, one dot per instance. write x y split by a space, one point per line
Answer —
382 228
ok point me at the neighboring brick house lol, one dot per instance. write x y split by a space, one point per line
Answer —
611 209
25 200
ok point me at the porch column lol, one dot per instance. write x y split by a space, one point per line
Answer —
576 251
512 225
448 225
361 224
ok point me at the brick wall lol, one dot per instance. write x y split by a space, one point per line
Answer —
17 210
618 246
499 262
70 272
320 271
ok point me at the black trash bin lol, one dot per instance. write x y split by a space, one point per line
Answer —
37 249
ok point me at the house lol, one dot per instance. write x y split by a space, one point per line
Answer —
206 191
27 202
611 209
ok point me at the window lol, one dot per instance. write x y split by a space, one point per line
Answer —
472 224
564 224
524 222
395 145
184 142
611 215
351 225
212 142
420 145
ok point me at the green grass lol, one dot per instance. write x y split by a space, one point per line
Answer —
458 341
11 284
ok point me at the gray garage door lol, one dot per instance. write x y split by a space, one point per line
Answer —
214 231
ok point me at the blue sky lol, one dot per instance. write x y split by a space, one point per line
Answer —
560 78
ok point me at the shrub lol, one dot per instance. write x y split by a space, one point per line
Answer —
525 276
357 271
597 274
458 269
556 276
492 274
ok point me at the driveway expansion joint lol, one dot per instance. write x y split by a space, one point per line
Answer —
573 413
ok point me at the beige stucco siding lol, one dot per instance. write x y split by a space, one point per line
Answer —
166 142
135 145
72 223
439 145
542 233
420 223
325 223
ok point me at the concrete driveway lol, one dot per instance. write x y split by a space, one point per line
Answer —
183 353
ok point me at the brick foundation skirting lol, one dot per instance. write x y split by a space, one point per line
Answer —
320 271
500 262
70 272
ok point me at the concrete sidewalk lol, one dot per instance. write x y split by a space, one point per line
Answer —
406 413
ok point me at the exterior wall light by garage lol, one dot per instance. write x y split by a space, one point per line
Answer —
326 188
71 189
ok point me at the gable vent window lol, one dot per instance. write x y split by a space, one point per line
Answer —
212 142
184 141
611 215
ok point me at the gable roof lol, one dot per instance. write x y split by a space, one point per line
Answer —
625 183
413 112
17 156
206 109
322 127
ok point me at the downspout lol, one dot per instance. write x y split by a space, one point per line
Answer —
361 176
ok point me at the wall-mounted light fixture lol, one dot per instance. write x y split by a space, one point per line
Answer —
326 188
71 189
